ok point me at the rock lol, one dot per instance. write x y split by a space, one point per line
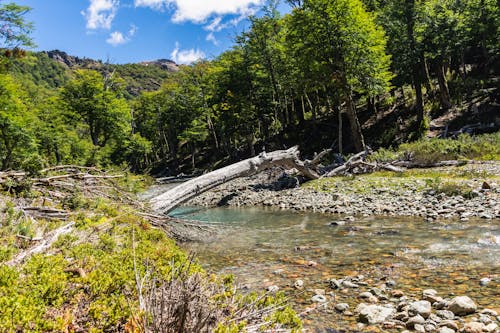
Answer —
484 281
489 312
299 284
349 284
334 284
430 327
445 314
493 327
319 291
419 328
341 307
486 186
272 289
337 223
374 314
422 308
318 299
485 319
366 294
445 330
418 319
397 293
473 327
390 283
279 271
450 324
435 318
462 305
440 305
312 263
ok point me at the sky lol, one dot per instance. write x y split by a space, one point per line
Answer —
128 31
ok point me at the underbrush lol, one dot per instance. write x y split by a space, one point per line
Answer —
428 151
114 272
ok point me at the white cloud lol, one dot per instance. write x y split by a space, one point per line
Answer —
211 38
133 30
116 38
100 14
186 56
200 10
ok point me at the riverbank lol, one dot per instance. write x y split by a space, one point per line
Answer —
460 192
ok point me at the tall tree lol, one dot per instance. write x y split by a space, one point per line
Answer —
342 40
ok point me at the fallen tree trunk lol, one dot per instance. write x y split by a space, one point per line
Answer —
287 158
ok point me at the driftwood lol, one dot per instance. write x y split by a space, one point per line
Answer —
45 243
286 158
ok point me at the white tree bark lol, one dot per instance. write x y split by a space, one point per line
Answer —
289 158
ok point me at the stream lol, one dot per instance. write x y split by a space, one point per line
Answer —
263 247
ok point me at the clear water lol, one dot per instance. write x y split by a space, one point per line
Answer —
262 246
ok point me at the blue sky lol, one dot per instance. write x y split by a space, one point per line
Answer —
125 31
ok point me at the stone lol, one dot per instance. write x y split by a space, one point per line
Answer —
445 330
493 327
318 298
435 318
365 294
489 312
422 308
349 284
485 319
341 307
299 284
374 314
445 314
273 289
484 281
450 324
418 319
462 305
419 328
440 305
397 293
473 327
334 284
430 327
319 291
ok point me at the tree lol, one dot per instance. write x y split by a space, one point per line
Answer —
14 32
345 45
96 101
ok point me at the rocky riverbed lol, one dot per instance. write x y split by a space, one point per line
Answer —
369 301
457 192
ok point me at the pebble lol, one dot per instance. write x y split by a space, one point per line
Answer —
373 314
493 327
318 298
341 307
445 330
273 289
299 284
418 319
473 327
349 284
484 281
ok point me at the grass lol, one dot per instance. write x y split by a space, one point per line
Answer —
428 151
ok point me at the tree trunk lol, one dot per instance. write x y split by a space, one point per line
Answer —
287 158
444 92
357 135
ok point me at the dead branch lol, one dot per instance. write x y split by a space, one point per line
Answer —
45 243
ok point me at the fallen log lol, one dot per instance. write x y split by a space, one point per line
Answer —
289 158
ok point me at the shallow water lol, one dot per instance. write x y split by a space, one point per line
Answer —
262 247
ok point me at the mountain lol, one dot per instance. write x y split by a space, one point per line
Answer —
53 69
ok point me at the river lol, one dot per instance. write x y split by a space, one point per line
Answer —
263 247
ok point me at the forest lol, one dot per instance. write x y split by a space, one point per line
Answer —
328 74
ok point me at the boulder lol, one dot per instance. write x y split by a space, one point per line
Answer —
462 305
422 308
374 314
